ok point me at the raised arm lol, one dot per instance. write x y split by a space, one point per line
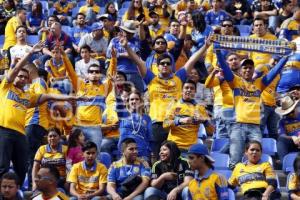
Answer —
212 80
197 55
12 74
57 97
71 72
140 64
267 79
228 75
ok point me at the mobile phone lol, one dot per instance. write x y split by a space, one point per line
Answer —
140 17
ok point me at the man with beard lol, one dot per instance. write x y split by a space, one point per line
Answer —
79 30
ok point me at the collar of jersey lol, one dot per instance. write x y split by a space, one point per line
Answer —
92 169
59 148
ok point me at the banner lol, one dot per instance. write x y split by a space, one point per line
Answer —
279 47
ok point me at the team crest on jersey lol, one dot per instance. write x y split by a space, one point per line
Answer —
207 192
136 169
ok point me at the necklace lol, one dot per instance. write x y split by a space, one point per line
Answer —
135 131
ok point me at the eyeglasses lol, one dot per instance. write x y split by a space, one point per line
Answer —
165 63
94 71
226 25
160 42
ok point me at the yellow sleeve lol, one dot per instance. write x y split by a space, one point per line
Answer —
269 172
82 10
170 118
125 16
71 72
72 177
233 179
39 89
209 57
40 153
5 84
34 98
103 177
237 82
212 81
111 71
292 182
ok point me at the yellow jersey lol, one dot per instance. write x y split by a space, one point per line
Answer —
46 156
211 186
14 103
258 57
87 180
89 113
39 114
109 118
293 184
83 9
185 135
57 196
252 176
10 35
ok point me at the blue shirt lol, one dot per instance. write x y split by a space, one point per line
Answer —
119 171
215 18
199 37
125 65
35 20
136 126
77 33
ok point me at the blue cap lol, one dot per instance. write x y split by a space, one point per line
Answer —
200 149
97 26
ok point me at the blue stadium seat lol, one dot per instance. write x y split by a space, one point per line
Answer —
288 161
81 3
126 4
269 146
75 11
231 194
45 5
105 158
121 12
218 144
32 39
224 172
102 10
264 158
1 41
51 11
221 160
66 29
245 30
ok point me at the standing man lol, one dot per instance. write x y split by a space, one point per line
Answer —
247 98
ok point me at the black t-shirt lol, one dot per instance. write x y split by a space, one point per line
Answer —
281 18
183 170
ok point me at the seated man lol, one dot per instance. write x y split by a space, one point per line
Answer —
129 177
91 9
88 178
82 65
10 185
46 182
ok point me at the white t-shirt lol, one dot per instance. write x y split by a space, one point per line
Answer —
18 51
81 67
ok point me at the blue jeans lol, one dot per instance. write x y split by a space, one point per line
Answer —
241 133
64 86
154 193
273 21
270 119
92 133
221 131
228 117
94 198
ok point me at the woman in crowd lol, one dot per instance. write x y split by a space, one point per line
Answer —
169 175
35 19
75 143
293 181
52 154
133 123
112 11
256 178
136 12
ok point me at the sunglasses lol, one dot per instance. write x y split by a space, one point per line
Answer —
94 71
165 63
160 42
226 25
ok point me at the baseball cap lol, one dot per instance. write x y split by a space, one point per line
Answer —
200 149
97 26
247 62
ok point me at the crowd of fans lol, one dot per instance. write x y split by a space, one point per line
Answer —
142 83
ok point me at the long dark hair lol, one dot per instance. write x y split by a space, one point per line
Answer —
114 15
39 9
130 12
72 142
173 164
199 21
